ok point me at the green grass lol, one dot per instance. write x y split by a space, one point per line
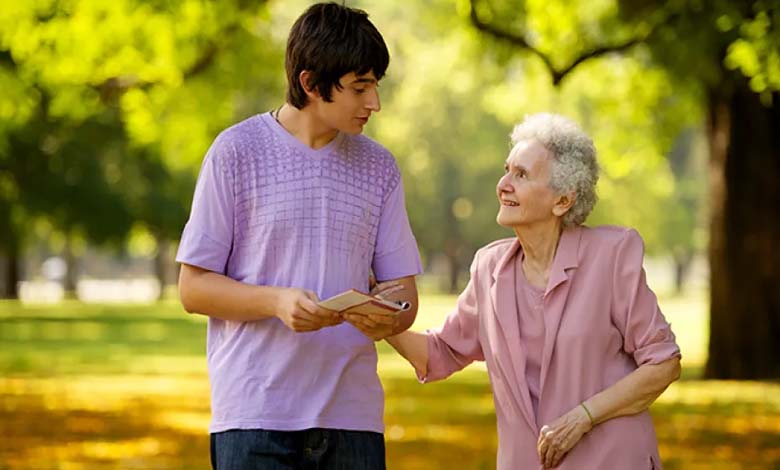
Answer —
123 386
75 338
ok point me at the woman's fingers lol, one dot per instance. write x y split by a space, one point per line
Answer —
384 293
553 444
385 288
554 452
543 444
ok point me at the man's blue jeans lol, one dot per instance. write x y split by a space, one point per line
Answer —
311 449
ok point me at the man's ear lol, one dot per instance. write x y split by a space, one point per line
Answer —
304 78
564 203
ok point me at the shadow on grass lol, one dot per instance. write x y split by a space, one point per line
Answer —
104 387
37 436
733 435
447 424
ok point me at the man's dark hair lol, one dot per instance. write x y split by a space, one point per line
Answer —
330 40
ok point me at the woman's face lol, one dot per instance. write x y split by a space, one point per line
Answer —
523 192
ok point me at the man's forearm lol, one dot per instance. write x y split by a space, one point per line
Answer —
218 296
413 346
407 293
406 318
635 392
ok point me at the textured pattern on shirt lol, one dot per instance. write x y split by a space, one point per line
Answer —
286 199
270 211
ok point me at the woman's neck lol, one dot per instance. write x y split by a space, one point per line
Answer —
540 244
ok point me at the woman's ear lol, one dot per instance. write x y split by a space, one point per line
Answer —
564 203
304 78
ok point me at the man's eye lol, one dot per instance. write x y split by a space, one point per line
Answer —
360 90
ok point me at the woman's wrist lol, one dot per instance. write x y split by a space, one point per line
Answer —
588 416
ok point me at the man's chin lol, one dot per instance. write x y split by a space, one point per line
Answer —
353 130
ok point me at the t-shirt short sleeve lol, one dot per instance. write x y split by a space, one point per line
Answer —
208 235
396 253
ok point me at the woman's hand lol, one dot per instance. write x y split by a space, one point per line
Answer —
383 289
559 437
377 327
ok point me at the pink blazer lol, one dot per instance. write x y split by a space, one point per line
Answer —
601 322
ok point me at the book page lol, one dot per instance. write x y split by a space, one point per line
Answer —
358 302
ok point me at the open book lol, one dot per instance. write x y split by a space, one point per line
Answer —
353 301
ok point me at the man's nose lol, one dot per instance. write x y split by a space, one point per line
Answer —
373 103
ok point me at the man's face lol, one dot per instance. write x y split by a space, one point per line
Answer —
523 192
352 105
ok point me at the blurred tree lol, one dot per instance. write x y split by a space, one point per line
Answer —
108 108
450 104
450 150
681 227
732 51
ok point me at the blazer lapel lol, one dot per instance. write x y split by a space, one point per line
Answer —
555 296
504 302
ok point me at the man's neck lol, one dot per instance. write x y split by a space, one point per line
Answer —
304 125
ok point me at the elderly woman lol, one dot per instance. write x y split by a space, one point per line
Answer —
575 344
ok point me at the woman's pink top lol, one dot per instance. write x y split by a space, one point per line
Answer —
601 322
530 311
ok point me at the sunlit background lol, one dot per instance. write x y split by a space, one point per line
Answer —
106 111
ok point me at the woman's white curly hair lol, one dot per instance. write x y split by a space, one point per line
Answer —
573 165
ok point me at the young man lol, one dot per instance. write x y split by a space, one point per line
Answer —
293 206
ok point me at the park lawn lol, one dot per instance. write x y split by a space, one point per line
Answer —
105 386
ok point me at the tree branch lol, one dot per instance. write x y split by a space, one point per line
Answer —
6 59
517 39
115 86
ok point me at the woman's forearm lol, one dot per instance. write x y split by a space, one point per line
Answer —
413 346
635 392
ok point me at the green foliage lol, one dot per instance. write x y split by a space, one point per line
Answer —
451 102
109 107
696 39
757 52
450 150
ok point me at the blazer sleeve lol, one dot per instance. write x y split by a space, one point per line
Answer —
647 336
455 344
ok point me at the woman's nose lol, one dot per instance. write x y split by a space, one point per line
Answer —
502 185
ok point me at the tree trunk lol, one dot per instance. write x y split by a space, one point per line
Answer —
161 262
682 265
452 288
11 278
744 251
10 250
71 261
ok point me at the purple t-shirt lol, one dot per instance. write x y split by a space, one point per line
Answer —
268 210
